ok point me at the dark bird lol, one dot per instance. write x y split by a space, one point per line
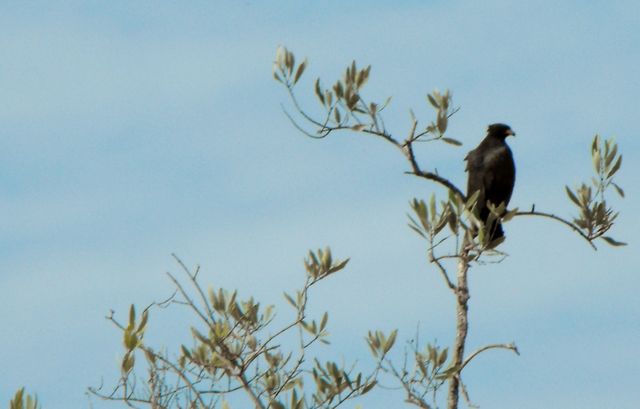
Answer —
493 173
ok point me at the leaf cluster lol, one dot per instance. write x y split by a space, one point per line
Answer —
346 108
595 217
236 350
22 400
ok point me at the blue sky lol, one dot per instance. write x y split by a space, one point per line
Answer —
133 130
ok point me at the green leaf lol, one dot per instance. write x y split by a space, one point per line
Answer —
415 228
432 206
443 357
573 197
613 242
339 266
432 101
509 215
390 341
369 386
130 340
597 164
615 167
276 405
338 89
442 122
143 321
611 156
618 189
290 61
300 70
127 362
337 116
323 322
318 91
595 143
452 141
132 316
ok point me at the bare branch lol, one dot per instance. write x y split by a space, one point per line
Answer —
443 271
511 347
561 220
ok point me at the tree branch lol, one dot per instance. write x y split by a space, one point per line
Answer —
462 327
561 220
511 347
416 171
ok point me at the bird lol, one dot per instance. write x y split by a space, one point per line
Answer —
492 172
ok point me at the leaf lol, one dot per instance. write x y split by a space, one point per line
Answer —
329 97
339 266
618 189
509 215
386 103
358 127
442 123
132 316
323 322
595 143
143 321
369 386
414 228
390 341
127 362
611 156
414 124
290 61
300 70
276 405
318 91
615 167
596 161
432 101
443 357
613 242
130 340
432 206
452 141
573 197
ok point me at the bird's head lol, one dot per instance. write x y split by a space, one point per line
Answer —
500 131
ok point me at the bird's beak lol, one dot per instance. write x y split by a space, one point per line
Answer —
510 132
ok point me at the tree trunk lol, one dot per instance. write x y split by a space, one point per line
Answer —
462 326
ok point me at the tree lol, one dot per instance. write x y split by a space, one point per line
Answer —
345 108
237 348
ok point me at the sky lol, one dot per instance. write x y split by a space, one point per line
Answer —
133 130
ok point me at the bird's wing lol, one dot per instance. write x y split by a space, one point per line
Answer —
498 175
476 168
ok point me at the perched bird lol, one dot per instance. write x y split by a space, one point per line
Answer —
492 172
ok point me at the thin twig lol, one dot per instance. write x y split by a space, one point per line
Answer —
465 395
477 352
561 220
443 271
193 277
